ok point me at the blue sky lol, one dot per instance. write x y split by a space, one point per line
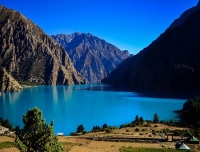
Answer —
128 24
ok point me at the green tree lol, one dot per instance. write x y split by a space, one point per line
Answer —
137 118
80 129
6 124
36 136
191 111
141 120
105 126
156 118
96 129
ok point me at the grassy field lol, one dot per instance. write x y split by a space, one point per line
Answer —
6 144
131 149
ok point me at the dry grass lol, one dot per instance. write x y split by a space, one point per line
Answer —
79 144
84 145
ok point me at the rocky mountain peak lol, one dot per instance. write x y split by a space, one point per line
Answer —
93 57
29 54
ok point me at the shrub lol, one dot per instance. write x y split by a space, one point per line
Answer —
122 126
147 125
108 130
96 129
137 129
73 134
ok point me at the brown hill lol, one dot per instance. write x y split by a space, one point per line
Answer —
28 54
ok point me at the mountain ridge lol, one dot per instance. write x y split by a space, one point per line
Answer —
93 57
29 54
170 64
184 15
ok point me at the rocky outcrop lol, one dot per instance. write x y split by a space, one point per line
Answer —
7 82
28 54
170 64
94 58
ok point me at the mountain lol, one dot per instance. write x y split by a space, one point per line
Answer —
28 54
94 58
185 15
170 64
7 82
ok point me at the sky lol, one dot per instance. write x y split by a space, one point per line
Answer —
128 24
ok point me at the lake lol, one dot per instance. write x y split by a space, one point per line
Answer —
91 104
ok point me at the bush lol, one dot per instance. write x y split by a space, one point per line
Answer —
143 129
122 126
73 134
147 125
108 130
113 127
177 132
137 129
96 129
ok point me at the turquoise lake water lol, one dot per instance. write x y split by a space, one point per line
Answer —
92 104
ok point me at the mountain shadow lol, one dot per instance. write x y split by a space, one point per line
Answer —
170 64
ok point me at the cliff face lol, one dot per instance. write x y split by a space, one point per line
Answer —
7 82
28 54
94 58
170 64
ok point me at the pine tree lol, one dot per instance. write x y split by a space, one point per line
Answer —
80 129
137 118
156 118
36 134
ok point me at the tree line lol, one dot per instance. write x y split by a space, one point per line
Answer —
6 123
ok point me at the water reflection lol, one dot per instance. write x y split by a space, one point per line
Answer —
92 104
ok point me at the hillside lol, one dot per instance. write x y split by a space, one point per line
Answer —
29 54
170 64
93 57
7 82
